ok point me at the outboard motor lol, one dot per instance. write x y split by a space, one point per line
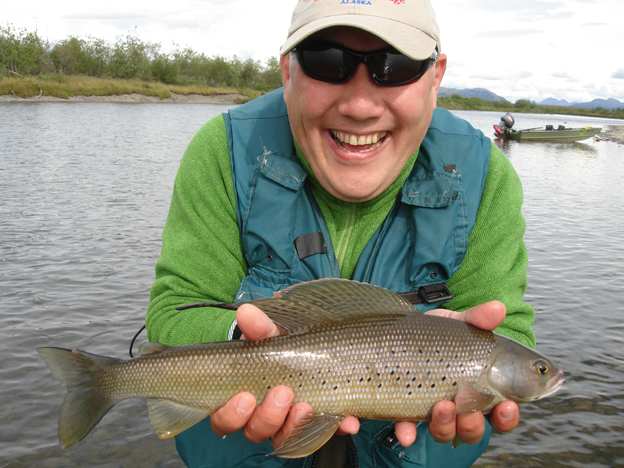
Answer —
505 125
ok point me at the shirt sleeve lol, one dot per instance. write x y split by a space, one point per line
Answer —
495 265
202 258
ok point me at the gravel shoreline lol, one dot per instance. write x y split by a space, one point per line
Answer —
614 133
135 97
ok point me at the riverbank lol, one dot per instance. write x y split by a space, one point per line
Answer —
614 133
225 98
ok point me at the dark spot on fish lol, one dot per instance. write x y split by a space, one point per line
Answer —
443 378
448 366
432 385
428 373
419 385
407 373
420 351
391 372
361 379
336 387
398 378
438 351
410 393
454 384
413 379
268 387
323 383
428 361
369 379
379 386
348 380
408 386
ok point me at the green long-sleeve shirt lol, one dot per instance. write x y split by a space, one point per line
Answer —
202 257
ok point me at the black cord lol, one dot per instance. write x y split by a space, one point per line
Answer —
136 335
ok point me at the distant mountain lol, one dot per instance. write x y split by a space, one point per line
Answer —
555 102
470 93
604 103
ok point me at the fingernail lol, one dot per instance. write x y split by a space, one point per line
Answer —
507 414
281 398
446 416
300 415
244 404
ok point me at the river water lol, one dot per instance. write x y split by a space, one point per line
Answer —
84 193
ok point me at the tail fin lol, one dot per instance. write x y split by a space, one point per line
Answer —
84 404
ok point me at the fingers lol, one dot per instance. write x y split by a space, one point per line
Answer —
442 426
254 324
269 417
298 412
234 414
349 425
505 416
445 424
470 427
258 425
486 316
405 432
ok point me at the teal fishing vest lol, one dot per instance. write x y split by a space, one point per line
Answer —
285 240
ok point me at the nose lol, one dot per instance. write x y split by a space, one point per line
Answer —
361 99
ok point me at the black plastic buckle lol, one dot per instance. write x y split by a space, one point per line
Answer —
432 293
429 294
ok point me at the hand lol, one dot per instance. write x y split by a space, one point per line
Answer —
275 417
445 424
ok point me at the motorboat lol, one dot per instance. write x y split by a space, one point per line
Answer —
561 134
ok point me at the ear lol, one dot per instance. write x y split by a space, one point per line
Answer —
285 66
440 69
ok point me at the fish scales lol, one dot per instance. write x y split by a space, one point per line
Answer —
375 367
350 349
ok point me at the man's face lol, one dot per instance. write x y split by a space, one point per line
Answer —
326 119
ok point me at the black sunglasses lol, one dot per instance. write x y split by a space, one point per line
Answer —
334 64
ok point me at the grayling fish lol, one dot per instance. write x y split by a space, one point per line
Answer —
351 349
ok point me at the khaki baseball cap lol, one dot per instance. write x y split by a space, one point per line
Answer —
409 26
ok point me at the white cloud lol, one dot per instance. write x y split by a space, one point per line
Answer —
619 74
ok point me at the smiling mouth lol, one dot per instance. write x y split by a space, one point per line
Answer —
358 143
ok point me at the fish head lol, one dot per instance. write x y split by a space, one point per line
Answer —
521 374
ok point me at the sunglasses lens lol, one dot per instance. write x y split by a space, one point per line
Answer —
330 64
393 69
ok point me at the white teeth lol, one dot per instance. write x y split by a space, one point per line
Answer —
353 140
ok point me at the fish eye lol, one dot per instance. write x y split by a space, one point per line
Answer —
541 367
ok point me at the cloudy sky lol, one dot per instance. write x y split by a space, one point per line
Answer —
535 49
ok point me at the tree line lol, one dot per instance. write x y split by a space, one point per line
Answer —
25 53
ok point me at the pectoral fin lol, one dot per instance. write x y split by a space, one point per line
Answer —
309 435
469 400
169 418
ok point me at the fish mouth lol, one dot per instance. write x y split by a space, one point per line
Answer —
554 385
358 143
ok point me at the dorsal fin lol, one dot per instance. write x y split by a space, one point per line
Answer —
323 300
149 348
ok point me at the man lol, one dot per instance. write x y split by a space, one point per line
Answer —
349 174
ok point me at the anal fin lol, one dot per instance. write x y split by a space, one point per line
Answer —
170 418
469 400
309 435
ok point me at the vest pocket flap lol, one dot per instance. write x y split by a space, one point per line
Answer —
432 191
282 170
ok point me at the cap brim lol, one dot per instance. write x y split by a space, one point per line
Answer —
406 39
